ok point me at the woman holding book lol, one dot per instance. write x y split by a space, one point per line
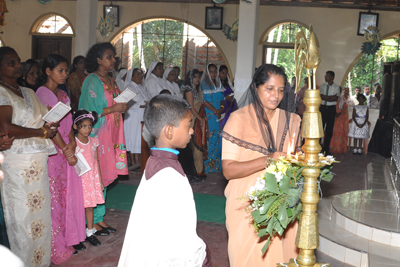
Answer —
98 93
25 188
67 216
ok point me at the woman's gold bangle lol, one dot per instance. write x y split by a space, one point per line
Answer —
44 132
222 106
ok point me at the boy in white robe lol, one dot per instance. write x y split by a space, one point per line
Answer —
162 225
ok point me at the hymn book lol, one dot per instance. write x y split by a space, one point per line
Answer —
125 96
56 113
82 166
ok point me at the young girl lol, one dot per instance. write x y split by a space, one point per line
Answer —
91 181
359 126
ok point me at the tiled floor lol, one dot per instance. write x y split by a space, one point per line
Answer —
350 176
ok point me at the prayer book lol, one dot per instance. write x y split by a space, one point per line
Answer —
57 112
81 166
222 117
125 96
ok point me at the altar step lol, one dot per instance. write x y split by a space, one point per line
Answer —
362 228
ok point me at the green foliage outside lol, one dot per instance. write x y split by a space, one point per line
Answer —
369 69
162 41
285 57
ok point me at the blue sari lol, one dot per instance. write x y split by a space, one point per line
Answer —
214 96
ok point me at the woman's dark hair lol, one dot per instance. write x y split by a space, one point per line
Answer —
51 61
265 71
5 50
97 52
211 65
190 76
26 68
74 62
83 112
224 82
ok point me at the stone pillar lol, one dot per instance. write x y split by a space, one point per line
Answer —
86 24
247 46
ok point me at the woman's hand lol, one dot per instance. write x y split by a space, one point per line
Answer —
218 113
229 98
119 107
72 160
51 129
69 150
5 141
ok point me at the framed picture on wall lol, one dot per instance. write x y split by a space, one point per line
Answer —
214 17
113 11
365 20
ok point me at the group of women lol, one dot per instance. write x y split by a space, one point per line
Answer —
40 192
209 94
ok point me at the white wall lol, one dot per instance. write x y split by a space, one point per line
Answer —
335 28
21 16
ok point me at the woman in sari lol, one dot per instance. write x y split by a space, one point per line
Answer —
67 208
75 81
5 143
98 93
230 104
154 82
169 78
25 187
341 127
255 133
193 95
213 96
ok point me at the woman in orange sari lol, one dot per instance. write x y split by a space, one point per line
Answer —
341 128
255 133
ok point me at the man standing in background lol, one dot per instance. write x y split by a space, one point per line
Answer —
330 93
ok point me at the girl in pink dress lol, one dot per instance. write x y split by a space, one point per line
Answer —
91 181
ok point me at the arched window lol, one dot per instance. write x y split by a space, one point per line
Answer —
53 24
278 45
368 70
172 42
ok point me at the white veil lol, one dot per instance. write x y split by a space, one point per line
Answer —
206 79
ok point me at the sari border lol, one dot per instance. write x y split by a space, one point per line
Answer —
245 144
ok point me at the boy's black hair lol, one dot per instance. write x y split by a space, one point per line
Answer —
164 110
165 92
83 112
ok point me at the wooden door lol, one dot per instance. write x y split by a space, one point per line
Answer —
42 46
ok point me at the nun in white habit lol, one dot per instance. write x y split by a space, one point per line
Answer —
134 115
169 78
154 82
120 80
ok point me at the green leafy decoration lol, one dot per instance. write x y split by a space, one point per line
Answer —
265 247
267 204
270 183
284 184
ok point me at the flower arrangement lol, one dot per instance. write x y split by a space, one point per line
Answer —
274 201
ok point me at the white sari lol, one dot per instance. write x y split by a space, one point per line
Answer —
25 187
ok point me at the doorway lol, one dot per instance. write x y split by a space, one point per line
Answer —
43 46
